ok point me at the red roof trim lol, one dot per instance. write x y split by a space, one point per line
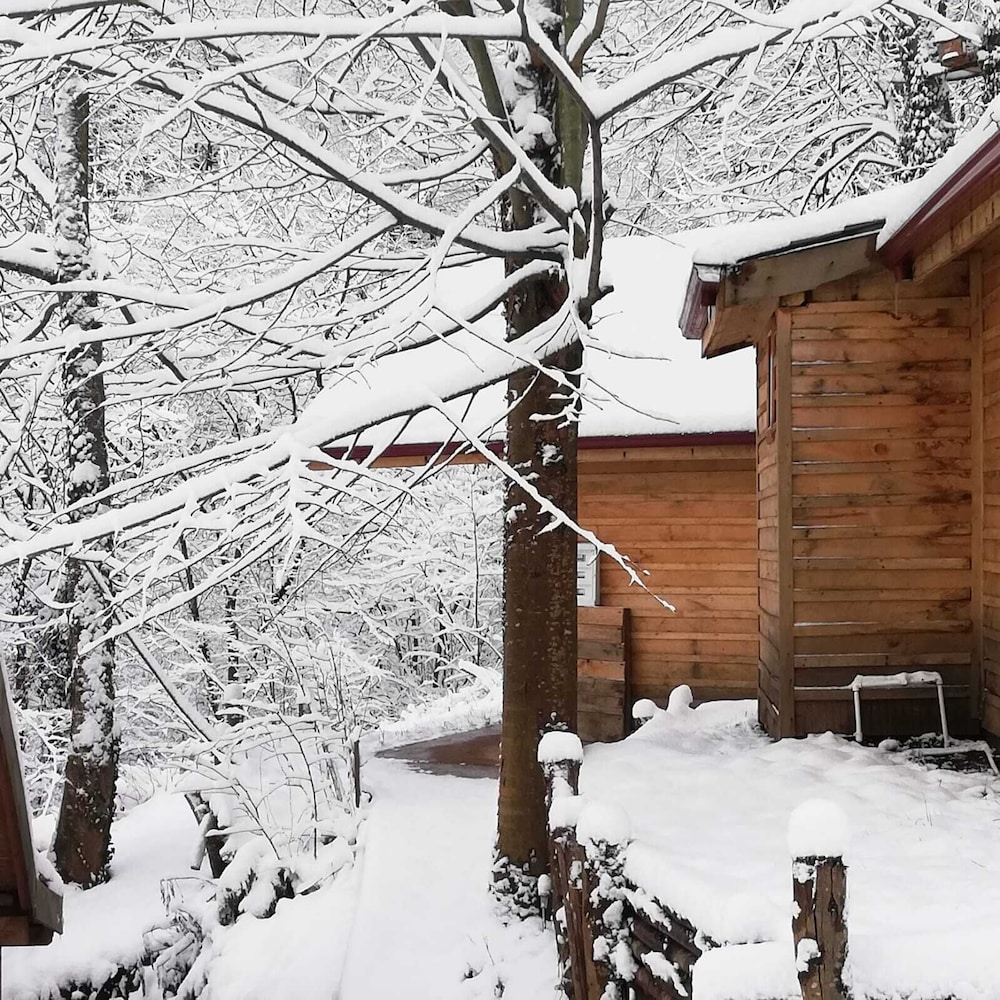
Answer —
697 298
606 442
900 249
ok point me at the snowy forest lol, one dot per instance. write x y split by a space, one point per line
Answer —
231 237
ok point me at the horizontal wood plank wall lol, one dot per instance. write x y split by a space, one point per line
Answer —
991 489
881 496
686 514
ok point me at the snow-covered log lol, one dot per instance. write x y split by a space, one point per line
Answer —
817 838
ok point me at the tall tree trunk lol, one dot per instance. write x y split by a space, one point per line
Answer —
539 686
83 835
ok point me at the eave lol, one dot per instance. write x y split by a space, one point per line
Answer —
951 201
746 294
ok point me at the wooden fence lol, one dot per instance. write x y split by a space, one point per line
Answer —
604 676
616 940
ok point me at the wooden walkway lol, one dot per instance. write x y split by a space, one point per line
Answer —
474 754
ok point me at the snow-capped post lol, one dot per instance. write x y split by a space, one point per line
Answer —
82 844
817 839
642 711
560 755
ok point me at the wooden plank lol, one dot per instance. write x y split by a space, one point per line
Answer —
735 324
786 558
881 662
588 649
979 222
601 616
902 641
599 633
768 278
977 507
609 670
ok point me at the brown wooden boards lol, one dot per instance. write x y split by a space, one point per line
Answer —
603 675
686 515
881 518
988 576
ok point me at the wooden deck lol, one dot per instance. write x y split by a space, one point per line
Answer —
473 754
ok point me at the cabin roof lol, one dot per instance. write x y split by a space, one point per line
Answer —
32 908
900 222
646 385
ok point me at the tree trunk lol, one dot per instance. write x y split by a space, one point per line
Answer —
83 835
539 687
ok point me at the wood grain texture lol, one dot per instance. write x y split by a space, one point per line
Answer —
686 515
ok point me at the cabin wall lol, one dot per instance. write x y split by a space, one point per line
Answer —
988 265
687 515
881 500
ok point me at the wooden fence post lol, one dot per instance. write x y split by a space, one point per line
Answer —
817 832
604 832
560 755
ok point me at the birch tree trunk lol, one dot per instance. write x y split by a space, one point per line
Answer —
539 686
83 835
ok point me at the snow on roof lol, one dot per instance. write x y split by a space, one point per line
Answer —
885 212
726 246
910 198
661 385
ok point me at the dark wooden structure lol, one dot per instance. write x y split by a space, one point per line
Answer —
604 676
877 453
30 911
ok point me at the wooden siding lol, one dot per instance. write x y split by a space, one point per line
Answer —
687 516
881 483
990 431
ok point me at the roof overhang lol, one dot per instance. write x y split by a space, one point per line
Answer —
953 199
728 313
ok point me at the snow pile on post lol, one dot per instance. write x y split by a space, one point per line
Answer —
557 747
818 829
644 709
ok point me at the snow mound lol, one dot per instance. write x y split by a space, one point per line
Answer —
601 822
709 797
644 709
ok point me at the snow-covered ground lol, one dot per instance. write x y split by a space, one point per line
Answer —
426 928
104 925
413 918
709 799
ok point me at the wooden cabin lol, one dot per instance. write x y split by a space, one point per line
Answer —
30 910
666 474
876 332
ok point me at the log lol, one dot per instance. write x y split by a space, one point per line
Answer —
819 926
